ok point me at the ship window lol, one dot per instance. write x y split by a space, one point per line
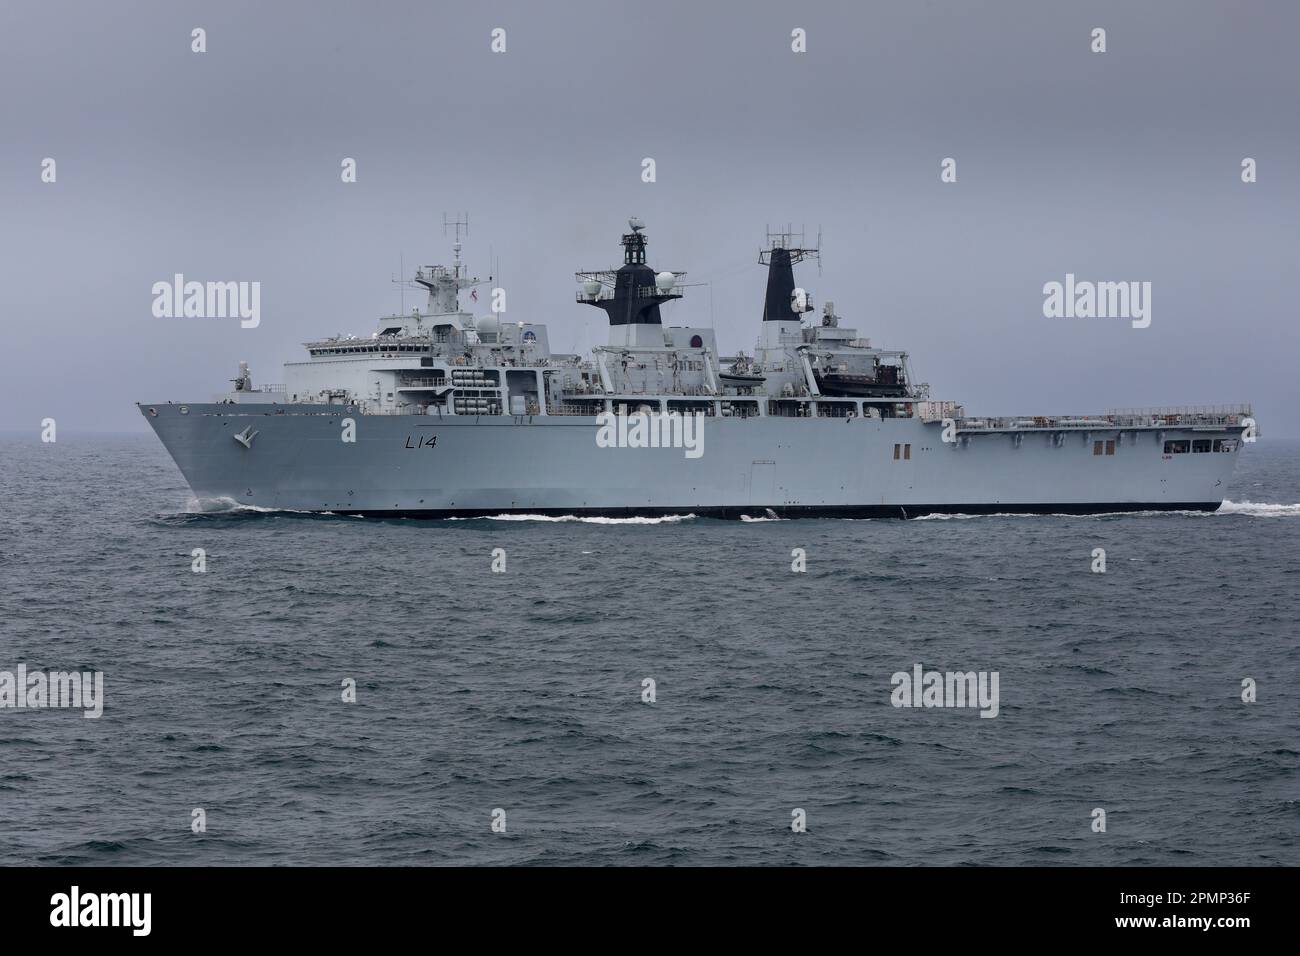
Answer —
1201 445
696 342
1110 447
1225 444
1177 447
907 452
1096 448
896 453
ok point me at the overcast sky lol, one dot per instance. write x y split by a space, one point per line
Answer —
225 166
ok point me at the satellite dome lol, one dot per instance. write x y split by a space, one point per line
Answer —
665 281
591 288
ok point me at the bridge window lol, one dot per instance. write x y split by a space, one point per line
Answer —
1110 447
1096 448
1201 445
1180 447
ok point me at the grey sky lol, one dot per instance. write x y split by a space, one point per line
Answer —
225 166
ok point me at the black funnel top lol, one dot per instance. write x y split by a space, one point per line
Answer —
636 297
780 288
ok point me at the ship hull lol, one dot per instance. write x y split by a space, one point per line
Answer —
465 466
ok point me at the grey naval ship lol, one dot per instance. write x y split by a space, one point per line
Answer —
439 413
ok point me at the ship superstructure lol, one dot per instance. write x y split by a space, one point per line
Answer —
816 422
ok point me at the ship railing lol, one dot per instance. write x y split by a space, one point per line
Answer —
575 408
827 408
270 388
1187 417
655 292
642 292
371 409
1241 410
422 383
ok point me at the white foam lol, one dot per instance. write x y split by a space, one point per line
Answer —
1059 514
666 519
958 517
1254 509
1258 509
209 506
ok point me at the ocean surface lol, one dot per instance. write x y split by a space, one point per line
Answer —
522 691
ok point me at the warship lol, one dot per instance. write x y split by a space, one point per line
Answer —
439 413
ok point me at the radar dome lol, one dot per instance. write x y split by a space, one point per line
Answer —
591 288
665 281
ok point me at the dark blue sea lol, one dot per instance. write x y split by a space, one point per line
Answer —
522 691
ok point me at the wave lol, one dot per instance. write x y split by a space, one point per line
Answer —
1250 508
666 519
998 514
1254 509
220 506
1258 509
1049 514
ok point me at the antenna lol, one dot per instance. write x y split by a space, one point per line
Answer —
457 225
793 242
401 281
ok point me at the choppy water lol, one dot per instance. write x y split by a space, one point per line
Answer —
523 690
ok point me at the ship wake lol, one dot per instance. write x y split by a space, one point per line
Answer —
582 519
1258 509
1253 509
